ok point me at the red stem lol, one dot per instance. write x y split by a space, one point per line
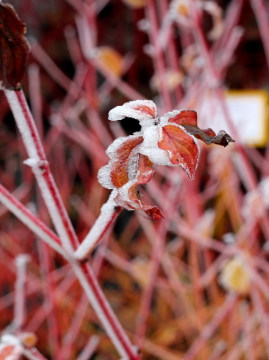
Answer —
35 148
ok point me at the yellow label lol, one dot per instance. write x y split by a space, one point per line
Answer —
248 111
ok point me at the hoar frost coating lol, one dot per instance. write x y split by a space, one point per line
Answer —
168 140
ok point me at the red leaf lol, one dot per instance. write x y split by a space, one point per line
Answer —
133 202
136 109
14 48
119 172
150 212
181 148
153 212
145 169
185 117
146 110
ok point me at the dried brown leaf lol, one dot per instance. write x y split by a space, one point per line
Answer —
14 48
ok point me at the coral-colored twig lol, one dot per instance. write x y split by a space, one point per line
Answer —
62 223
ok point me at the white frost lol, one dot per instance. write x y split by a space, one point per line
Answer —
34 163
124 199
150 148
169 115
184 167
104 178
133 163
95 233
104 174
131 109
117 143
19 116
22 259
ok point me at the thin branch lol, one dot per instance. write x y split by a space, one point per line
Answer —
108 215
19 310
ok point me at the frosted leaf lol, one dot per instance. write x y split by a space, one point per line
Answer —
129 198
182 117
169 140
182 148
133 163
104 174
150 148
169 115
104 178
137 109
124 199
124 159
117 143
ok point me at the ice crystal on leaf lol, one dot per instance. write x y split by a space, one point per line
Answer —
167 140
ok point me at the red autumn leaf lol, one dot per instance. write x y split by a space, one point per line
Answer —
188 119
181 148
152 212
185 117
14 48
119 172
145 173
149 110
137 109
145 169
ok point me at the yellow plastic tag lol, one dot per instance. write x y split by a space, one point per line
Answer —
248 110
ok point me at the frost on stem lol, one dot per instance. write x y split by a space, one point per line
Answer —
167 140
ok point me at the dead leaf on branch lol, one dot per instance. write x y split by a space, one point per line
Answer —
14 48
208 136
188 119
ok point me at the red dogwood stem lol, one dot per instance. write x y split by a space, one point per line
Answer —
108 215
40 167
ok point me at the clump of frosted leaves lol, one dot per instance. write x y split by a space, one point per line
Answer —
168 140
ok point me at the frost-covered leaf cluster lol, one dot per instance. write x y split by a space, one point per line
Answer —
169 140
